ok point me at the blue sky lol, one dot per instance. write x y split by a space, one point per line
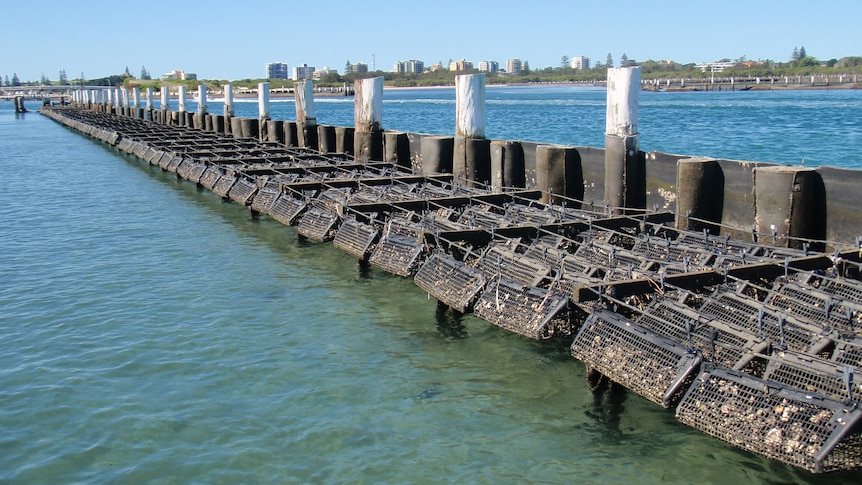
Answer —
220 42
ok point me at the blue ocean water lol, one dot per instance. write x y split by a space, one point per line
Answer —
814 127
151 333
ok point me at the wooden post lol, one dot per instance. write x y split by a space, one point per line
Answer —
507 165
262 109
790 206
367 117
148 94
200 120
305 119
228 108
559 173
109 99
181 104
136 102
472 152
625 165
700 194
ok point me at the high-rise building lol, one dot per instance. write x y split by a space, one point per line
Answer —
277 70
461 65
489 66
303 72
412 66
580 62
513 66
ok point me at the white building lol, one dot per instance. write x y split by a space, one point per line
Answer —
303 72
513 66
180 75
411 66
489 66
714 66
580 62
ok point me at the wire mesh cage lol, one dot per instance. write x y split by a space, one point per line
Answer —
719 343
526 310
751 315
209 178
265 197
242 191
398 254
356 238
450 281
771 419
502 259
223 185
286 209
317 224
821 308
184 167
812 374
174 165
653 366
196 171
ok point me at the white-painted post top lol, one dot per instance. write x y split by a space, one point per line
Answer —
263 100
136 97
202 99
110 94
166 98
624 84
470 105
228 100
149 95
125 94
118 98
368 104
182 98
304 93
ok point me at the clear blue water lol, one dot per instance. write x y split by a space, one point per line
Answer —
151 333
821 127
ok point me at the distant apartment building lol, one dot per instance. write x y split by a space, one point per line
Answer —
461 65
714 66
277 70
436 67
358 68
320 73
303 72
179 75
513 66
489 66
580 62
407 67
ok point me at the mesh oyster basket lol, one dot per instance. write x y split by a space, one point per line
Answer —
655 367
812 374
450 281
318 225
399 249
223 185
499 259
265 197
196 171
356 238
209 178
819 307
774 420
752 316
719 343
242 191
526 310
286 209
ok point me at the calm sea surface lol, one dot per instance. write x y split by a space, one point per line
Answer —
151 333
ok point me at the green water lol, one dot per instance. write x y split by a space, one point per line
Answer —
151 333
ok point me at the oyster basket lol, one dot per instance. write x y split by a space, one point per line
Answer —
210 176
356 238
753 316
848 352
286 209
774 420
197 170
499 259
651 365
399 249
318 225
526 310
265 197
243 191
450 281
819 307
174 164
812 374
223 185
718 342
184 167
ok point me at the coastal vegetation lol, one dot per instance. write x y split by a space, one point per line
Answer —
800 64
